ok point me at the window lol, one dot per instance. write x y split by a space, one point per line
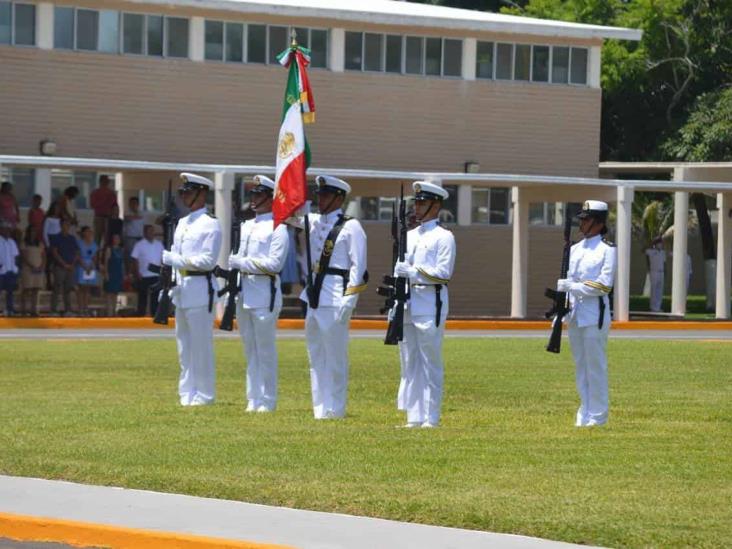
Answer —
84 181
109 31
413 63
23 180
214 33
545 213
560 65
578 73
234 42
453 58
522 62
540 64
256 44
448 212
63 28
318 48
490 206
504 61
154 35
371 208
393 53
354 51
484 60
176 43
133 25
87 29
433 56
278 41
373 52
25 25
6 27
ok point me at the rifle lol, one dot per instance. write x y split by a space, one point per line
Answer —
165 272
388 288
309 288
395 330
560 307
232 276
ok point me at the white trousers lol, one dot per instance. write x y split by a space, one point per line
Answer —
589 349
194 335
656 291
328 351
401 402
258 329
424 370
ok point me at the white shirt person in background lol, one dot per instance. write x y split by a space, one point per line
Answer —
146 252
656 257
260 258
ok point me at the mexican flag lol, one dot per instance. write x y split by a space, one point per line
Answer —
293 153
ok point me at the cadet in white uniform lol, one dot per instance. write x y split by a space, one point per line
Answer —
338 252
193 256
428 264
261 257
656 261
589 281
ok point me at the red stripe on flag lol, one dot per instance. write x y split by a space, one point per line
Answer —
291 190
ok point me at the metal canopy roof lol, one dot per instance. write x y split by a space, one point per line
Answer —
518 180
390 12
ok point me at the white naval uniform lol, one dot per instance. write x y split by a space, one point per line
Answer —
656 261
592 272
431 250
327 337
196 246
263 252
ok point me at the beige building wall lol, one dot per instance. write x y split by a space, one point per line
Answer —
128 107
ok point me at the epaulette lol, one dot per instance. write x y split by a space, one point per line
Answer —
609 243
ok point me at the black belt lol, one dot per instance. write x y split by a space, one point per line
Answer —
209 279
343 273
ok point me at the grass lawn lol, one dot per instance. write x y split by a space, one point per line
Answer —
506 459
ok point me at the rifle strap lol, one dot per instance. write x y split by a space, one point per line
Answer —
324 262
438 303
601 320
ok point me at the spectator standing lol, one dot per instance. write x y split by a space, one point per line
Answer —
68 208
65 254
52 223
32 273
36 215
146 252
102 200
86 268
9 212
112 266
8 265
134 225
114 226
656 258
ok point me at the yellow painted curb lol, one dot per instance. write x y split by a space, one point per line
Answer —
356 324
82 534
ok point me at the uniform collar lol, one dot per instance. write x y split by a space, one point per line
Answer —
593 240
197 213
263 217
332 216
429 225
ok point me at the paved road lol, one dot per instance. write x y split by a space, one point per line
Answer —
358 334
239 521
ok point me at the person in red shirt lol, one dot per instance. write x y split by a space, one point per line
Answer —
36 215
102 200
9 212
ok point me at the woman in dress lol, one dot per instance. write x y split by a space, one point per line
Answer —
113 271
33 268
86 269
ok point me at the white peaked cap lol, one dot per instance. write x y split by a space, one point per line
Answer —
196 179
425 188
330 181
264 181
595 206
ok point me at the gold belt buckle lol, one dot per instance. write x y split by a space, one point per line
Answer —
183 272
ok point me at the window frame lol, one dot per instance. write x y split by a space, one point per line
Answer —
569 67
493 44
13 25
489 206
75 28
164 37
442 60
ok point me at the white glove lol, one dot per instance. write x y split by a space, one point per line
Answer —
235 262
564 285
348 303
390 314
404 269
173 259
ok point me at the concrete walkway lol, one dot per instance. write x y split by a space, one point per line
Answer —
233 520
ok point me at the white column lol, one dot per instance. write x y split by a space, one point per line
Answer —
197 38
520 253
593 70
337 51
44 25
470 49
464 204
724 254
223 185
119 187
42 185
678 272
623 238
